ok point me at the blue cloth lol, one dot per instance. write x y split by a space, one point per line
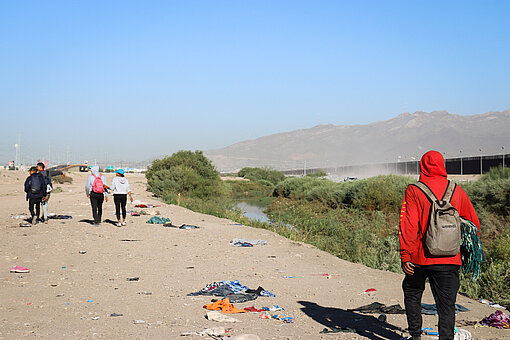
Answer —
235 286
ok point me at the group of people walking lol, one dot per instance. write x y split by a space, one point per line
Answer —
97 191
38 187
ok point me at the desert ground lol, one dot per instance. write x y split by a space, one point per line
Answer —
69 294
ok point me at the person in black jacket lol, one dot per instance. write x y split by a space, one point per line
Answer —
35 188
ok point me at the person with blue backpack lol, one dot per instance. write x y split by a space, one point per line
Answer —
35 188
95 189
49 187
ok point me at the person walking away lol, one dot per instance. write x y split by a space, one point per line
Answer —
36 193
49 187
417 262
121 189
95 189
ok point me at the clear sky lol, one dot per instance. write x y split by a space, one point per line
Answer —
135 79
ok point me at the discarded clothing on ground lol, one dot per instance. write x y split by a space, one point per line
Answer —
261 292
285 318
225 306
141 206
243 242
377 307
215 315
338 330
235 291
465 323
471 249
159 220
498 319
253 309
462 334
184 226
431 309
213 331
60 217
243 337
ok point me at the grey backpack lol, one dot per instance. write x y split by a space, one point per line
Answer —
443 235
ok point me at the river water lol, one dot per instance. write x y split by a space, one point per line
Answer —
251 210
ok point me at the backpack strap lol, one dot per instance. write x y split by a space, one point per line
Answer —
450 189
426 190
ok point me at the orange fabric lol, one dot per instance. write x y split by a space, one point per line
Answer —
414 214
225 306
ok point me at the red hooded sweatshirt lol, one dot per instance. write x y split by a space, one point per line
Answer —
414 215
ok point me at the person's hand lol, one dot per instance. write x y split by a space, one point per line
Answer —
408 268
88 196
44 199
131 199
106 198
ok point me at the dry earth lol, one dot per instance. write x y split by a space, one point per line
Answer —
52 301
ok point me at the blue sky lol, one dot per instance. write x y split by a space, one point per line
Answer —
129 80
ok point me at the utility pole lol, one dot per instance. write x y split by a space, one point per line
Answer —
481 162
67 155
49 153
461 170
503 150
304 172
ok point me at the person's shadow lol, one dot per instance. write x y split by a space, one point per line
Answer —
365 325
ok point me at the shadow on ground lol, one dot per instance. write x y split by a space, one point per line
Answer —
365 325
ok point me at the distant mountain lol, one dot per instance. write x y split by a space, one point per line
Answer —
400 138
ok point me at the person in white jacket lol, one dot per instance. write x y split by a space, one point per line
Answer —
121 189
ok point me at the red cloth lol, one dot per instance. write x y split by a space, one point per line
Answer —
414 214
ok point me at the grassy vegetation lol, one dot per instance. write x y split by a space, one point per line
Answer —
356 221
62 179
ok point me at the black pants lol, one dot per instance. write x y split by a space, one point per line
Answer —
37 203
444 283
97 206
120 202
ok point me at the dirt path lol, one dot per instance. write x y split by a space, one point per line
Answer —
65 289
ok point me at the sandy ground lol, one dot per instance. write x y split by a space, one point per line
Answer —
65 289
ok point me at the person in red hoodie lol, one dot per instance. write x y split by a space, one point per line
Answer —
417 263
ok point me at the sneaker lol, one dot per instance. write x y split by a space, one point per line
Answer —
19 269
124 223
119 224
45 220
34 220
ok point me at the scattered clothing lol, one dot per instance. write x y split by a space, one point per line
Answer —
338 330
242 297
184 226
462 334
241 242
213 331
261 292
431 309
377 307
253 309
498 319
141 206
225 306
284 318
215 315
158 220
60 217
465 323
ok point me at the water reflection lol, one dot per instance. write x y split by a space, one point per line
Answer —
254 210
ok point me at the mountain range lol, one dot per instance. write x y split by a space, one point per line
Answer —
403 138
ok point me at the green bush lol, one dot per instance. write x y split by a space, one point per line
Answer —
62 179
258 174
491 191
185 172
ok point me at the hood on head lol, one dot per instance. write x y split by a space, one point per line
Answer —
432 165
95 170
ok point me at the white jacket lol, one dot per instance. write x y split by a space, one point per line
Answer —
120 185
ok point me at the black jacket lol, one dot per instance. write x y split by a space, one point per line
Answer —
28 185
